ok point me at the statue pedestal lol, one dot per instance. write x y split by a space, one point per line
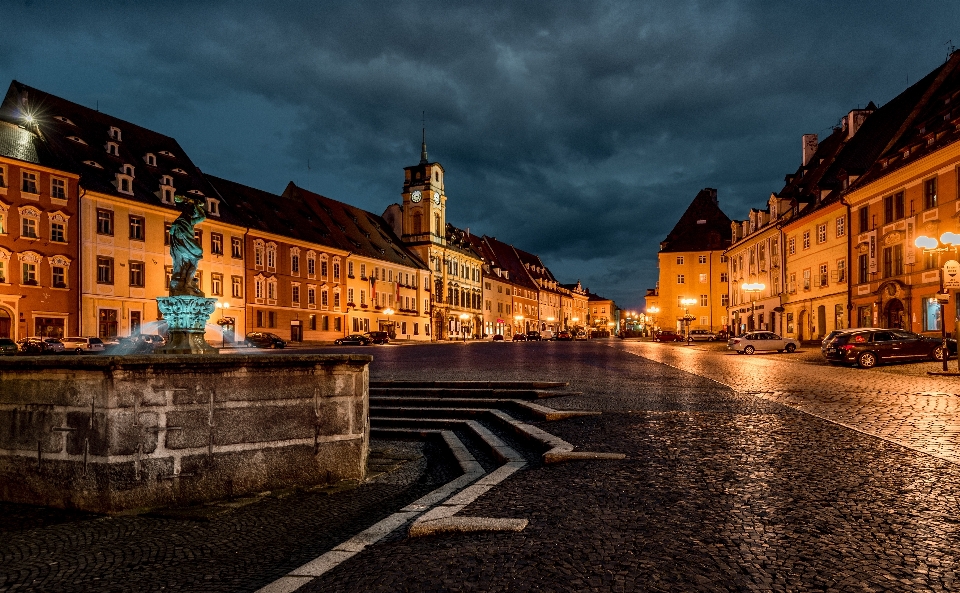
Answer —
186 317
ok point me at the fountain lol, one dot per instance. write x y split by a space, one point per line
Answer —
109 433
186 309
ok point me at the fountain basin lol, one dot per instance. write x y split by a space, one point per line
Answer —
111 433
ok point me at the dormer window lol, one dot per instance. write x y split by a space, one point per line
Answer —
93 164
166 195
115 133
167 154
213 207
128 170
166 180
77 140
150 159
60 118
124 183
195 192
113 148
179 171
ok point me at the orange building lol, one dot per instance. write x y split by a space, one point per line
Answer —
39 238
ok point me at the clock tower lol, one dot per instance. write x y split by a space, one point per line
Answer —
424 202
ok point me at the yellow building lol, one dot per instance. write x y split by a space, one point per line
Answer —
755 271
693 279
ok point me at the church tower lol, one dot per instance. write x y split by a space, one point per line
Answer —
424 202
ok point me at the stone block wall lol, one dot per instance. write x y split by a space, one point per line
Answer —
108 433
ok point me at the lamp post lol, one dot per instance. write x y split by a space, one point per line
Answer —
652 311
463 326
388 312
519 320
948 242
753 289
687 303
223 307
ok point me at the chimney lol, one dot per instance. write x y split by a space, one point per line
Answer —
855 119
810 145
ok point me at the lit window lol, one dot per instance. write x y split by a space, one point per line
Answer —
806 239
216 243
841 226
236 287
822 233
236 247
216 284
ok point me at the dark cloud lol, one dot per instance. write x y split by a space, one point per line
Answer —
579 131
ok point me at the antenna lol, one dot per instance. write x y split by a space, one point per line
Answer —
423 145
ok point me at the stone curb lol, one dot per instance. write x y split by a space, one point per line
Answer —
562 456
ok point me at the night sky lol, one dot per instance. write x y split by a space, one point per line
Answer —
578 131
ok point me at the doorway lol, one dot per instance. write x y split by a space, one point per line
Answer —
802 325
6 324
821 321
895 317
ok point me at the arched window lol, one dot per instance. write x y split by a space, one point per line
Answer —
323 266
271 256
336 269
258 250
311 264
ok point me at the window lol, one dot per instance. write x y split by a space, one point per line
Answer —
236 247
350 301
893 208
28 273
806 239
311 265
166 233
295 294
271 289
324 299
350 270
679 278
792 245
841 270
271 256
336 269
58 232
931 314
29 185
312 296
703 278
137 225
822 233
236 287
258 288
702 259
864 215
104 270
898 260
789 323
28 224
824 274
806 279
930 193
216 243
3 177
336 300
887 262
724 300
679 260
258 254
104 222
58 188
295 264
363 271
323 266
59 277
703 300
724 277
862 269
136 274
841 226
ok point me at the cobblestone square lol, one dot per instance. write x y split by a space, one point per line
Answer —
741 473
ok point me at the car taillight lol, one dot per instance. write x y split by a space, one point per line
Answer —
848 347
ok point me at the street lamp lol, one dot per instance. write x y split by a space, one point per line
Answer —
652 311
388 312
948 242
519 320
753 289
687 318
223 307
463 325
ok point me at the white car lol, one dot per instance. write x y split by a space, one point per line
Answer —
81 345
751 342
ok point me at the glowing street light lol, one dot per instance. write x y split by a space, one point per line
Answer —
223 307
948 242
388 312
463 325
753 289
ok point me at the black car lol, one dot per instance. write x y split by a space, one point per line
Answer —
353 340
533 336
867 347
498 338
519 337
378 337
8 346
265 340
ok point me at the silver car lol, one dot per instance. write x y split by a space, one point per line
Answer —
752 342
81 345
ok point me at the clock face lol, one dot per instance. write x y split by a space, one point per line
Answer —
436 198
416 196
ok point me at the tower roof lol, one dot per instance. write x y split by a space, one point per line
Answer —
703 227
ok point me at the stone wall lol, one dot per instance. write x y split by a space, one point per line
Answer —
107 433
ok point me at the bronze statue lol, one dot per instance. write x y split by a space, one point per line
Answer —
184 250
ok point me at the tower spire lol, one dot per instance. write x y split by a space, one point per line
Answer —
423 144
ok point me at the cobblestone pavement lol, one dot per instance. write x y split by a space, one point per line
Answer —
721 491
897 402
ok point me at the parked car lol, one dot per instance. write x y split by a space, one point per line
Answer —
378 337
37 345
753 341
547 334
702 335
135 344
498 338
519 337
265 340
867 347
81 345
723 334
8 347
564 336
580 335
533 336
353 340
667 335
